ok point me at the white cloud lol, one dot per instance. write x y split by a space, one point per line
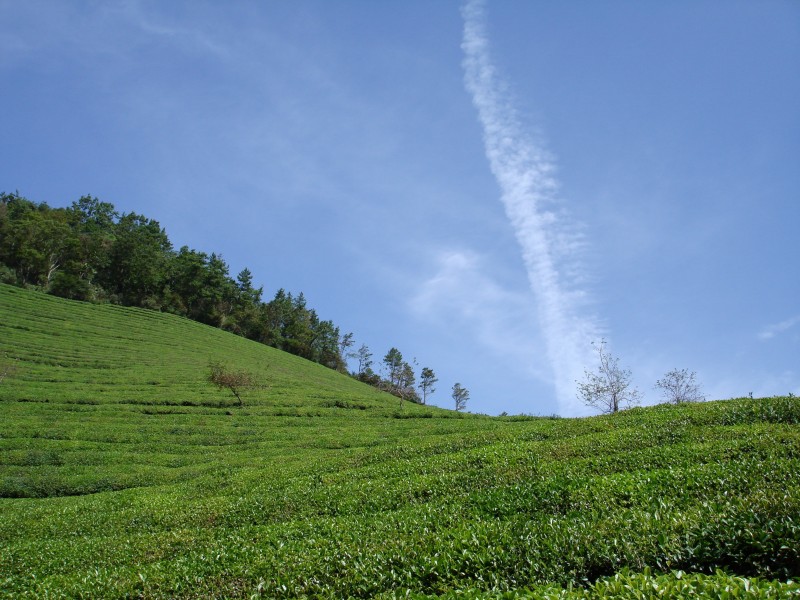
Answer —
188 37
461 293
770 331
550 245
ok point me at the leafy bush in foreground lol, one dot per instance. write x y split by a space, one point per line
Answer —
647 584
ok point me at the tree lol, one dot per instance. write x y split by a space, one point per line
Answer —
405 383
298 330
69 285
42 241
235 381
89 252
394 366
275 316
245 320
427 379
188 274
325 345
247 293
460 395
220 293
680 386
364 357
365 373
345 343
137 269
94 223
93 215
400 376
609 389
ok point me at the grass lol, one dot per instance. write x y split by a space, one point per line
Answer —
124 473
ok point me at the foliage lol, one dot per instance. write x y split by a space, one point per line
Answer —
138 261
345 343
460 395
680 386
123 474
609 389
400 376
393 361
90 252
427 381
647 584
364 358
237 381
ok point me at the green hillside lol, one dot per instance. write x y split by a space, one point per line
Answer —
124 473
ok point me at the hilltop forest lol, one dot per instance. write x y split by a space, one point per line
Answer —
90 252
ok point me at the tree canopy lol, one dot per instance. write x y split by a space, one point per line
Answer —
89 251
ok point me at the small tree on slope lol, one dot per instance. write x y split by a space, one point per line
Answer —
460 395
426 384
609 389
680 386
235 381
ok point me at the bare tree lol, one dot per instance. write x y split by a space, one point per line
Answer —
609 389
680 386
460 395
235 381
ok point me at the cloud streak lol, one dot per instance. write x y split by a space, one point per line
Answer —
463 293
776 329
550 246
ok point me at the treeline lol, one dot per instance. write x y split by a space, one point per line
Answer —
91 252
400 379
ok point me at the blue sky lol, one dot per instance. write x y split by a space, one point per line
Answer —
487 187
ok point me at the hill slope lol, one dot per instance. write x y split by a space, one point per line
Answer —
124 473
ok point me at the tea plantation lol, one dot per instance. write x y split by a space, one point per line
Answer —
124 474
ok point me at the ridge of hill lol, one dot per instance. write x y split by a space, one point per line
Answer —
84 353
124 473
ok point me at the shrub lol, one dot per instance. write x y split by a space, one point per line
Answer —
235 381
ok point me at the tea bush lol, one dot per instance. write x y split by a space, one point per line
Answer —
124 473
